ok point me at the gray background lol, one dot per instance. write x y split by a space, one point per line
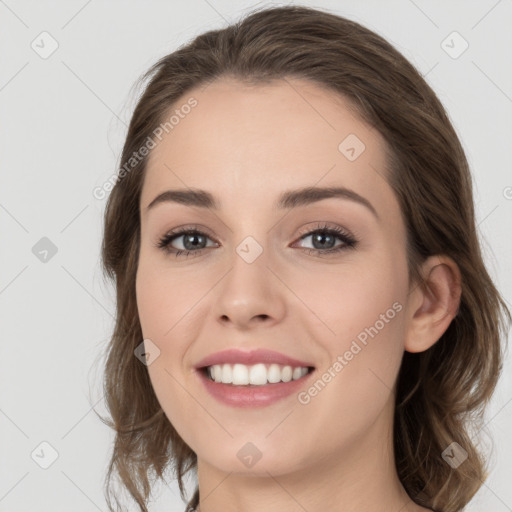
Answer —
63 120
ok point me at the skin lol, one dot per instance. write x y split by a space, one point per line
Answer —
246 145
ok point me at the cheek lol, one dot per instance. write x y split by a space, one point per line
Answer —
159 313
364 312
165 300
164 320
155 304
360 322
354 299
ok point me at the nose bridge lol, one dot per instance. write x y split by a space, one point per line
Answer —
249 289
249 235
248 276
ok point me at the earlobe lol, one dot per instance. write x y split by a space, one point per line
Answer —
435 301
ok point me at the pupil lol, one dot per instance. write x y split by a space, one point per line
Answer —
321 238
191 245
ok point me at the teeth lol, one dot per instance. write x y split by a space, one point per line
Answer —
297 373
227 374
256 375
240 375
274 374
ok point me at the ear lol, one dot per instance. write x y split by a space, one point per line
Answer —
432 303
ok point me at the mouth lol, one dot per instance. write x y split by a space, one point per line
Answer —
252 378
255 386
260 374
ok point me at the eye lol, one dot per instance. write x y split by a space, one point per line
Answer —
193 240
324 238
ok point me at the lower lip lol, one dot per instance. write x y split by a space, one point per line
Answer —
252 396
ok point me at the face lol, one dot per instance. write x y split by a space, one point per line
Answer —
321 280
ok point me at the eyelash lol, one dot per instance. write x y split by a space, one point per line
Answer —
349 242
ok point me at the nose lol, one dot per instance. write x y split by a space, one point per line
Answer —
250 294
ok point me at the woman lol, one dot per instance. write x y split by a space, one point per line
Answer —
304 316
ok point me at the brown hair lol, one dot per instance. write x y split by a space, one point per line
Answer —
442 392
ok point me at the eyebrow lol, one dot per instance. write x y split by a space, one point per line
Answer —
288 200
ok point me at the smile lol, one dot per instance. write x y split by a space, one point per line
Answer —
255 375
253 386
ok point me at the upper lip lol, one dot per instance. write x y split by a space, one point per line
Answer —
250 357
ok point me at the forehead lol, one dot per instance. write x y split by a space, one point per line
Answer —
242 141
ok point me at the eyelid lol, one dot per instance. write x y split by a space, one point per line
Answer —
179 231
324 226
184 228
347 237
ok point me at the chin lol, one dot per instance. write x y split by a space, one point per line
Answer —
254 458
